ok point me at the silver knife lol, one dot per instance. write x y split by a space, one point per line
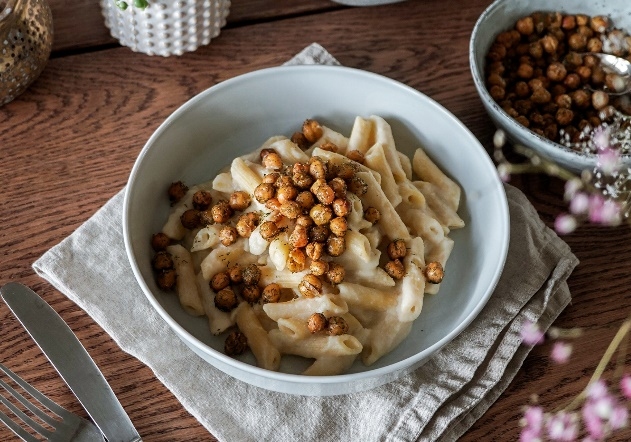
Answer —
71 360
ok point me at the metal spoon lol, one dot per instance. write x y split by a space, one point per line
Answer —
618 66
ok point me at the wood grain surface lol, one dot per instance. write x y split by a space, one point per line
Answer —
68 144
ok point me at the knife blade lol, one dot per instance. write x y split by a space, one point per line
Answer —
66 353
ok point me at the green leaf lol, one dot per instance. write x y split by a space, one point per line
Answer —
141 4
121 5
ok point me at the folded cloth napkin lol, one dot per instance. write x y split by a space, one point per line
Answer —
439 401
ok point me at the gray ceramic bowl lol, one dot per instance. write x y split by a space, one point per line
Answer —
502 15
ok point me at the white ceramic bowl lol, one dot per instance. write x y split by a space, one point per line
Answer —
236 116
502 15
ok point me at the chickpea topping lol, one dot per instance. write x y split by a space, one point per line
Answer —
269 230
283 181
397 249
305 199
271 293
314 250
162 260
246 224
272 161
339 187
336 326
395 269
299 236
177 191
235 274
190 219
271 178
273 204
323 191
228 235
160 241
329 146
291 209
358 186
318 267
296 261
356 155
286 193
220 281
341 207
316 322
346 170
206 217
338 226
299 139
236 343
525 26
321 214
304 221
310 286
166 279
335 274
251 293
251 274
317 168
335 245
240 200
302 180
264 192
372 215
202 199
600 100
312 130
226 299
319 233
221 212
434 272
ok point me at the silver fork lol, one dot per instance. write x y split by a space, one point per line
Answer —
70 428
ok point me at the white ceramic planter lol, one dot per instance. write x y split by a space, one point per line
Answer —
166 27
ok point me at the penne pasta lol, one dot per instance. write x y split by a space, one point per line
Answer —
186 283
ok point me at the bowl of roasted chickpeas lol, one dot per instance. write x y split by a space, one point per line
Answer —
312 230
535 69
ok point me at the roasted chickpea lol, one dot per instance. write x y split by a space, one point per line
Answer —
299 139
497 92
296 260
541 96
341 207
166 279
264 192
246 224
221 212
314 250
271 178
372 215
310 286
206 217
600 99
228 235
319 267
397 249
323 192
329 147
564 116
283 180
220 281
525 25
550 43
302 180
316 322
177 191
335 245
240 200
317 168
346 170
556 71
305 199
162 260
251 293
226 299
321 214
273 204
572 81
395 269
339 187
190 219
335 274
338 226
272 161
304 221
312 130
525 71
319 233
299 236
236 343
434 272
235 274
357 186
251 274
336 326
286 193
356 155
160 241
290 209
577 42
271 293
202 199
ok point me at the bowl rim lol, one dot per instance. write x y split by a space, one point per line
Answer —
503 222
546 147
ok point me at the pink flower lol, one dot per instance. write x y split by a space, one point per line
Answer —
531 334
564 224
601 138
608 160
579 203
625 386
597 390
563 426
619 418
529 435
572 186
533 424
603 211
593 424
561 352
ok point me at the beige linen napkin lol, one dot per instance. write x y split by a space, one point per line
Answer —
439 401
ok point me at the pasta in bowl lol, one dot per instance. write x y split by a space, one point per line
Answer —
322 250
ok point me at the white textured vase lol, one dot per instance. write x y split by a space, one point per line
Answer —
166 27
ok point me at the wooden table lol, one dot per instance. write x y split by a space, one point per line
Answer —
68 144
